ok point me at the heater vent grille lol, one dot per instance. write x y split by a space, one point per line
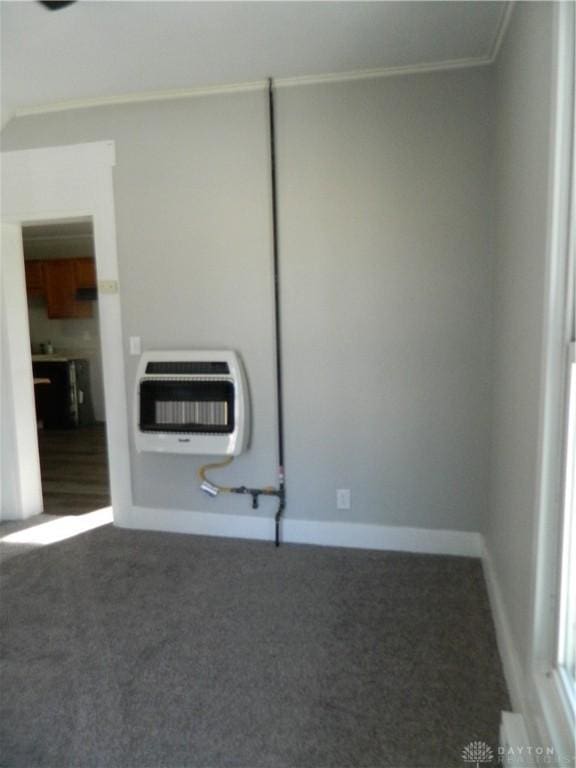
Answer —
191 401
186 405
196 368
183 413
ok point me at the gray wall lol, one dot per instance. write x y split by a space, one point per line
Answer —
386 272
522 81
386 282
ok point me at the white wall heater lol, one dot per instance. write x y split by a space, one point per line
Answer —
191 402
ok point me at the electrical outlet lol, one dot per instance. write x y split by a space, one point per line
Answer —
343 498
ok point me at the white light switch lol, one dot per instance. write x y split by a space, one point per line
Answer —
108 286
343 498
135 345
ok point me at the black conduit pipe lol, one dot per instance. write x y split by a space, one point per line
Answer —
278 329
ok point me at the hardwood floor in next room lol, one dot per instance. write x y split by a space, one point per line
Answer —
74 466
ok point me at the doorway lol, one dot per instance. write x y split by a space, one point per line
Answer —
62 298
48 185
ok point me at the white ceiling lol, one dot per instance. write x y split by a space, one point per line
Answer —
102 49
79 228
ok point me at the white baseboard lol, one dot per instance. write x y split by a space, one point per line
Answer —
202 523
514 741
326 533
396 538
506 646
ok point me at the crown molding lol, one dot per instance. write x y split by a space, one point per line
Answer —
501 31
255 85
137 98
369 74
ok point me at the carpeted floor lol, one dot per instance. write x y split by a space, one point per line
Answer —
126 649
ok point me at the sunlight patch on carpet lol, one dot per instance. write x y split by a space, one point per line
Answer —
60 529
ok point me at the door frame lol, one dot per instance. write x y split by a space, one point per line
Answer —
40 186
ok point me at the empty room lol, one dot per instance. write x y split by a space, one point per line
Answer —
288 402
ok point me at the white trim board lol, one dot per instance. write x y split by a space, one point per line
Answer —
502 29
322 533
369 74
256 85
508 654
535 694
20 476
59 184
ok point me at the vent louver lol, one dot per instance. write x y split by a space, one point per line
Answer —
191 402
197 368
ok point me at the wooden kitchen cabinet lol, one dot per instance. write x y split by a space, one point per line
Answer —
60 285
34 278
85 271
57 281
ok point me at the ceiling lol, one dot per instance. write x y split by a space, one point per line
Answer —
93 50
77 228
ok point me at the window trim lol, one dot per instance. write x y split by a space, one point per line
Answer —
553 715
567 586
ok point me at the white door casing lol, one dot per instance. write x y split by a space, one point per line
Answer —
21 485
43 185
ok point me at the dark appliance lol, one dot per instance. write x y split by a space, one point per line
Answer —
65 402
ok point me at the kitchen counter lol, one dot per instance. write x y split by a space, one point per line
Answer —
60 357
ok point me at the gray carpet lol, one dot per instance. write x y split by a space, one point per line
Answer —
126 649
